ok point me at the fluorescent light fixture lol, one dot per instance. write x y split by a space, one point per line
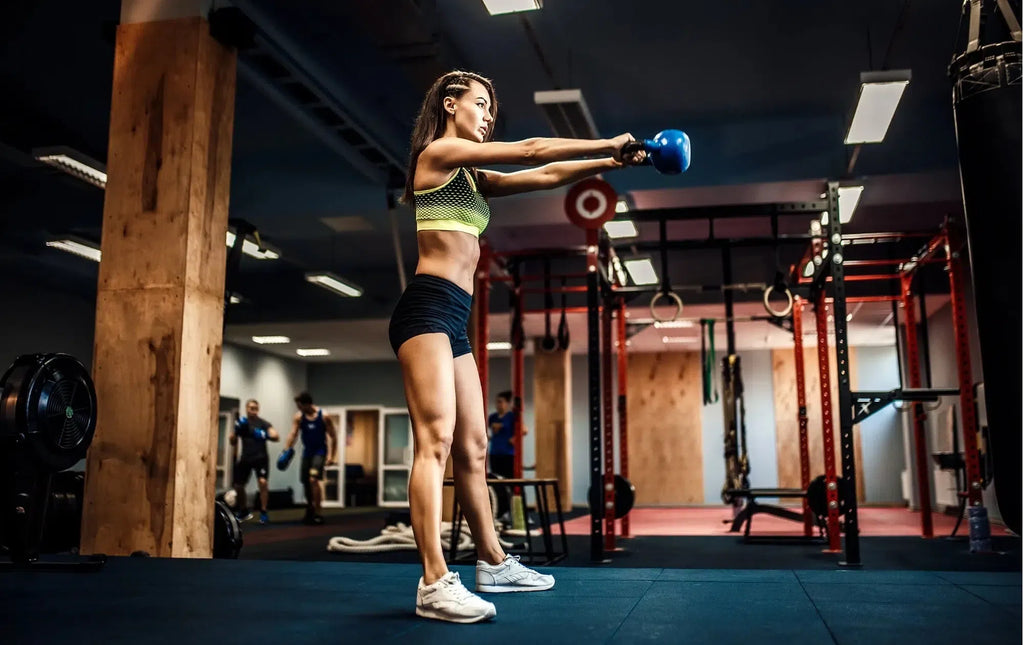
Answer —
250 248
79 247
334 283
496 7
880 93
271 340
673 324
641 271
567 113
499 345
620 228
313 351
74 163
848 198
669 340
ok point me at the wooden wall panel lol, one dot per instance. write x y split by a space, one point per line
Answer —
552 413
665 430
362 447
787 433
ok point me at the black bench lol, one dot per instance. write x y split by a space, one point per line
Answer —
752 507
540 487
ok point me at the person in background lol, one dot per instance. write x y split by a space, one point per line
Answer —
254 432
319 449
501 427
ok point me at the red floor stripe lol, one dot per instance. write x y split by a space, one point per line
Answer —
717 521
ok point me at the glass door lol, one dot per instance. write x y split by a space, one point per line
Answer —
396 457
334 480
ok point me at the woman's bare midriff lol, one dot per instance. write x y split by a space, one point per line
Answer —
451 255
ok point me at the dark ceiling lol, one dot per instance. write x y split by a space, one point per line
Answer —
763 88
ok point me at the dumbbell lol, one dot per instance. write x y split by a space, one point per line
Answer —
668 151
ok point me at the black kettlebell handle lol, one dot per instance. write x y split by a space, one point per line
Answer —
631 148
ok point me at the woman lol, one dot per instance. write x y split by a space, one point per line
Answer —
451 139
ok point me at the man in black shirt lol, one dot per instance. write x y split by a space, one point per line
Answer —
254 433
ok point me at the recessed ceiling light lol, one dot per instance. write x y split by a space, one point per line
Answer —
673 324
250 248
333 283
271 340
641 271
74 163
496 7
78 247
620 228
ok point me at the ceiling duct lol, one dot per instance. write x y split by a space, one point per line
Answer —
567 113
276 65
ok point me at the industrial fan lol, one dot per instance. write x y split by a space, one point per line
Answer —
47 421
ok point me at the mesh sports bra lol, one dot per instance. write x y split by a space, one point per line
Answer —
455 205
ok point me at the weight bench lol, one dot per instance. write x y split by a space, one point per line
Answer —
752 507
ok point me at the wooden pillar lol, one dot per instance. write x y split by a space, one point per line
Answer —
159 310
552 419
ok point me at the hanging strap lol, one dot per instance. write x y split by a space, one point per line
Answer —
705 378
708 361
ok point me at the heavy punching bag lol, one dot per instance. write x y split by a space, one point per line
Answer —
986 82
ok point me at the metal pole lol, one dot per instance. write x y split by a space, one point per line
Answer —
835 262
518 359
608 431
594 391
827 434
955 245
918 416
623 425
801 401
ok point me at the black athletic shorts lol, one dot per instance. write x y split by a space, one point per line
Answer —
432 305
245 467
313 466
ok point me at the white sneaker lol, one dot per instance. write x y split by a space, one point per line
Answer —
448 599
510 576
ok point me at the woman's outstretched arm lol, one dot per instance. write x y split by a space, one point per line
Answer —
552 175
454 152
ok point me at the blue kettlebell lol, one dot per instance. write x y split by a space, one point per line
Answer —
668 151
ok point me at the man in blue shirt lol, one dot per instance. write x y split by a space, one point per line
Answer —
319 449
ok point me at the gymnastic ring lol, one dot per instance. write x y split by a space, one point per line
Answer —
674 297
785 310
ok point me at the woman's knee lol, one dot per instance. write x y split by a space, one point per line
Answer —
471 452
434 441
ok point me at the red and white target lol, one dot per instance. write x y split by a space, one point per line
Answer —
590 203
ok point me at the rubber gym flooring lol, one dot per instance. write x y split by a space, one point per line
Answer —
666 589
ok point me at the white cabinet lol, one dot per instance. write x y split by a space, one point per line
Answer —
396 451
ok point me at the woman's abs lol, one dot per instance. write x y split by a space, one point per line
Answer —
451 255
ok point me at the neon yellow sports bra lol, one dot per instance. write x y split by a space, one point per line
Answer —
455 205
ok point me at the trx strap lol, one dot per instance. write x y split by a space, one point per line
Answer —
708 361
